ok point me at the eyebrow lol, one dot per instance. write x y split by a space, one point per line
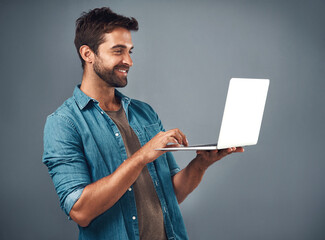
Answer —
121 46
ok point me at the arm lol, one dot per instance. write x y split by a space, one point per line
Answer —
101 195
190 177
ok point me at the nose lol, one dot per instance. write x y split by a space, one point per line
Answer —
127 59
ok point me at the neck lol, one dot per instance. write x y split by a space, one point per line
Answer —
96 88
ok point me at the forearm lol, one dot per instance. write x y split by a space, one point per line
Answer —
101 195
188 179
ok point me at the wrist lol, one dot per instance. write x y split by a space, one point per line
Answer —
199 164
138 159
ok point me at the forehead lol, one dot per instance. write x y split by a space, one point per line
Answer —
119 36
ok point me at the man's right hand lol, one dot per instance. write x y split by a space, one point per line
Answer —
174 136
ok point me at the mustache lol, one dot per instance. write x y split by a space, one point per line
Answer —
122 66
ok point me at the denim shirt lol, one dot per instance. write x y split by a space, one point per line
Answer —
82 145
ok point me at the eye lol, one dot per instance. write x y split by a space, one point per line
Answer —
130 52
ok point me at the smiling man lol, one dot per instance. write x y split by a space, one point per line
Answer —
99 146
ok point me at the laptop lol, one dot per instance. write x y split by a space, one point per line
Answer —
242 117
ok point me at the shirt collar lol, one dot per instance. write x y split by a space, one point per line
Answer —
124 99
82 99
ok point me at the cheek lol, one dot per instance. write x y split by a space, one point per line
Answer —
111 61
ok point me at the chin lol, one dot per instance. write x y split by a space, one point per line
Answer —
117 83
121 84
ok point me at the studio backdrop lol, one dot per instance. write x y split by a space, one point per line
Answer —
184 56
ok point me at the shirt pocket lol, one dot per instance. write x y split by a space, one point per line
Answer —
151 130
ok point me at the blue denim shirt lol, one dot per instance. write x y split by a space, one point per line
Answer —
82 145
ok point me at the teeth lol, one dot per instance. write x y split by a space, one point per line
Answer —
120 70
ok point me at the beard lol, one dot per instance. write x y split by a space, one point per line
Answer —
109 76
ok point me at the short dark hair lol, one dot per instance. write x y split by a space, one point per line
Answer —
92 25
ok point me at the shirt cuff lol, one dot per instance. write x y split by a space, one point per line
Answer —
71 199
174 171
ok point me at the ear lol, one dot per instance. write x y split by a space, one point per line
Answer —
87 54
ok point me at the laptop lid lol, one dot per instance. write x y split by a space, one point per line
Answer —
243 113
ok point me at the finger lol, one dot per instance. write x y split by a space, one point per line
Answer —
213 151
173 134
172 146
236 149
179 138
172 140
225 152
203 152
176 133
240 149
184 139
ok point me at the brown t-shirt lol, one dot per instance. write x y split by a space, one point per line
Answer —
150 216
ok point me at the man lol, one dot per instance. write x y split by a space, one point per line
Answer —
99 146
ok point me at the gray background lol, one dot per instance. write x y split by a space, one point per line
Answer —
185 53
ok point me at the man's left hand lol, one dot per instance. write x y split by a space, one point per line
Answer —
207 158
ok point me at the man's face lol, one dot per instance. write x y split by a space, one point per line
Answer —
113 60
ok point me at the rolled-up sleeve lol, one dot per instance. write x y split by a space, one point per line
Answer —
64 158
173 166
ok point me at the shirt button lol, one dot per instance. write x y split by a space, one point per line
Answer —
116 134
134 218
102 112
130 189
